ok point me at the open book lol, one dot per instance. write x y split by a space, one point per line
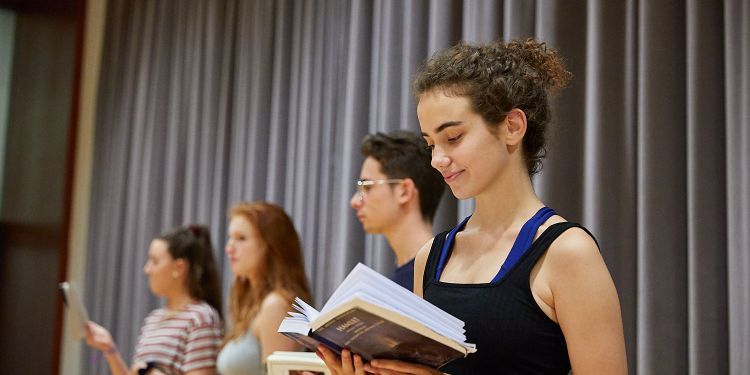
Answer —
73 301
295 363
378 319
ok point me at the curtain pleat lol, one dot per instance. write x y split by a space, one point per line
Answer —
204 103
737 107
661 176
706 175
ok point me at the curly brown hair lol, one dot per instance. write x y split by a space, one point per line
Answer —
498 77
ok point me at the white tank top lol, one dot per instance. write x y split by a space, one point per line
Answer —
241 356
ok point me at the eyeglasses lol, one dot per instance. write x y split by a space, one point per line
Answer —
363 186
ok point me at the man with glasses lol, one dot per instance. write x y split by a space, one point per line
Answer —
397 195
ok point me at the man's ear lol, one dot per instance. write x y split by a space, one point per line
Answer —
516 127
407 191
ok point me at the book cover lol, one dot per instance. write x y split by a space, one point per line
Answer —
373 336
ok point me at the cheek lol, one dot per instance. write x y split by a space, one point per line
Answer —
249 257
158 274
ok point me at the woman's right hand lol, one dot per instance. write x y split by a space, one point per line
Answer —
98 337
347 364
352 364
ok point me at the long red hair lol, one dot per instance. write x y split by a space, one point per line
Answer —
283 269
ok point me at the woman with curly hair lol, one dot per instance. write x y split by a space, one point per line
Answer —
531 287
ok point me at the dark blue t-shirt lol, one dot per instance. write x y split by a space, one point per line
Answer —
404 275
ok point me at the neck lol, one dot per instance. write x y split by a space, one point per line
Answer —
509 199
178 300
407 236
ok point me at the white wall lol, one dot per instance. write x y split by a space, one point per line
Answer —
70 357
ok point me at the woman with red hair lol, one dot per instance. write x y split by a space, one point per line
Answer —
266 259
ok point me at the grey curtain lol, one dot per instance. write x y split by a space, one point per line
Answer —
205 103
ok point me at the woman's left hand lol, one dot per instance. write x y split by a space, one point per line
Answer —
99 338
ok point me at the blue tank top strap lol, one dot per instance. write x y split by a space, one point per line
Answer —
524 240
445 252
522 243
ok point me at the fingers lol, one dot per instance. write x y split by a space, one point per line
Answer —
331 360
352 363
347 364
359 366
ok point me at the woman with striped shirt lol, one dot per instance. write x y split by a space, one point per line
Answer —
184 336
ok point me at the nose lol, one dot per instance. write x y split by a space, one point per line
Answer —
146 268
228 248
439 159
356 201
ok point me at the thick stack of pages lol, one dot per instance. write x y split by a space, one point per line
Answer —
376 318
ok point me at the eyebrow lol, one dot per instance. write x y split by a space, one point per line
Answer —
444 126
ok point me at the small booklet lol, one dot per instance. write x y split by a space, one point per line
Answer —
376 318
74 302
295 363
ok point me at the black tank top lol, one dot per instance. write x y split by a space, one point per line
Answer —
512 333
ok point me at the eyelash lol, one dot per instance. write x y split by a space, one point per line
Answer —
455 139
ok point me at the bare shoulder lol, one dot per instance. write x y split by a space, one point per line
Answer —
571 247
272 310
275 300
420 262
574 265
585 304
423 254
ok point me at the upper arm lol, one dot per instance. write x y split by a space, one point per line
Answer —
420 262
202 347
266 324
586 305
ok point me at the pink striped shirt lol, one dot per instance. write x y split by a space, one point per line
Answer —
185 340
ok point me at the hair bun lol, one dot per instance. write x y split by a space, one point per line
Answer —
547 67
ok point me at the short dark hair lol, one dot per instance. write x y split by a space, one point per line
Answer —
498 77
404 154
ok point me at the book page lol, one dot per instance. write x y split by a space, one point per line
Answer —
74 302
391 295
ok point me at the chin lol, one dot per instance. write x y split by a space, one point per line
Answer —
460 194
155 291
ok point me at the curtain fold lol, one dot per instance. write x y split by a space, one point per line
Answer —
737 108
203 103
706 174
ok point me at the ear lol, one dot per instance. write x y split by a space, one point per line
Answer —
180 267
516 127
406 191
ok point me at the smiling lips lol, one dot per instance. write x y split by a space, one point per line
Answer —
451 176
